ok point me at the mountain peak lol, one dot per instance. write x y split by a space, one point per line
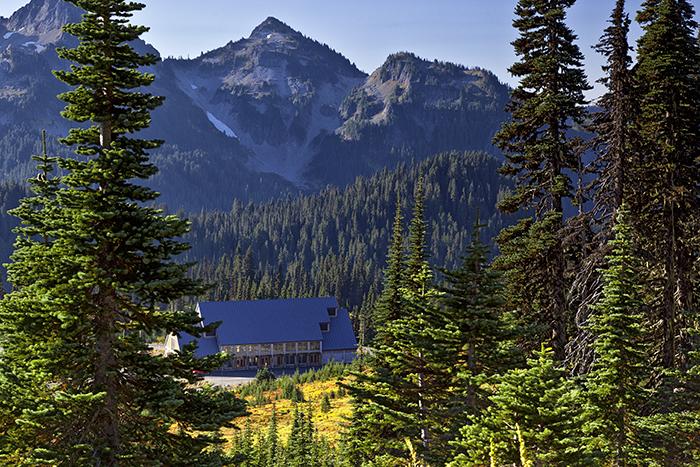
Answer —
44 18
272 25
403 57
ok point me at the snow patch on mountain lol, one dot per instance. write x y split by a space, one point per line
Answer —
221 126
37 47
8 35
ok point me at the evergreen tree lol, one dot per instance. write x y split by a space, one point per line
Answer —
534 418
371 429
476 340
419 391
389 306
394 396
667 83
417 237
272 441
325 403
547 101
92 267
616 168
667 439
620 369
19 385
242 452
613 125
301 440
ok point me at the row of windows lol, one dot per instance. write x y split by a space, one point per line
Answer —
275 361
287 347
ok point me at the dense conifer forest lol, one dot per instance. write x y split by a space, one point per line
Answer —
334 242
539 310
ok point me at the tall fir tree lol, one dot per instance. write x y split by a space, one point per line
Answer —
417 237
421 385
88 390
667 81
615 168
272 445
613 126
395 396
476 339
33 250
539 152
614 387
413 348
389 307
534 418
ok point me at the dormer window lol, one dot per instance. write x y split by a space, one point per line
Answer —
325 327
332 312
211 333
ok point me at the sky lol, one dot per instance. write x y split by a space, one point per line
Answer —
468 32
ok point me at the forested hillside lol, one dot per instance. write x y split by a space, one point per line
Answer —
335 242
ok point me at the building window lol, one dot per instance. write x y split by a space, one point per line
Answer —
315 345
332 312
325 327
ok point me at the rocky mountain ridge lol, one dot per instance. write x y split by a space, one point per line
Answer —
271 114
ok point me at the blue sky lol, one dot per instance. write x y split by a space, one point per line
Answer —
469 32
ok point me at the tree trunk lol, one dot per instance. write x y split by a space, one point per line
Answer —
684 292
424 436
668 314
106 134
471 365
106 381
558 312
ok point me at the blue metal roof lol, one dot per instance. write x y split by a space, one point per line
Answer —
341 335
274 321
205 345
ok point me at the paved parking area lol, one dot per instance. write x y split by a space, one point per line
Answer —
228 381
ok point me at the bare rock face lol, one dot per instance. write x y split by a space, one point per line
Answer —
27 55
406 81
28 42
43 20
